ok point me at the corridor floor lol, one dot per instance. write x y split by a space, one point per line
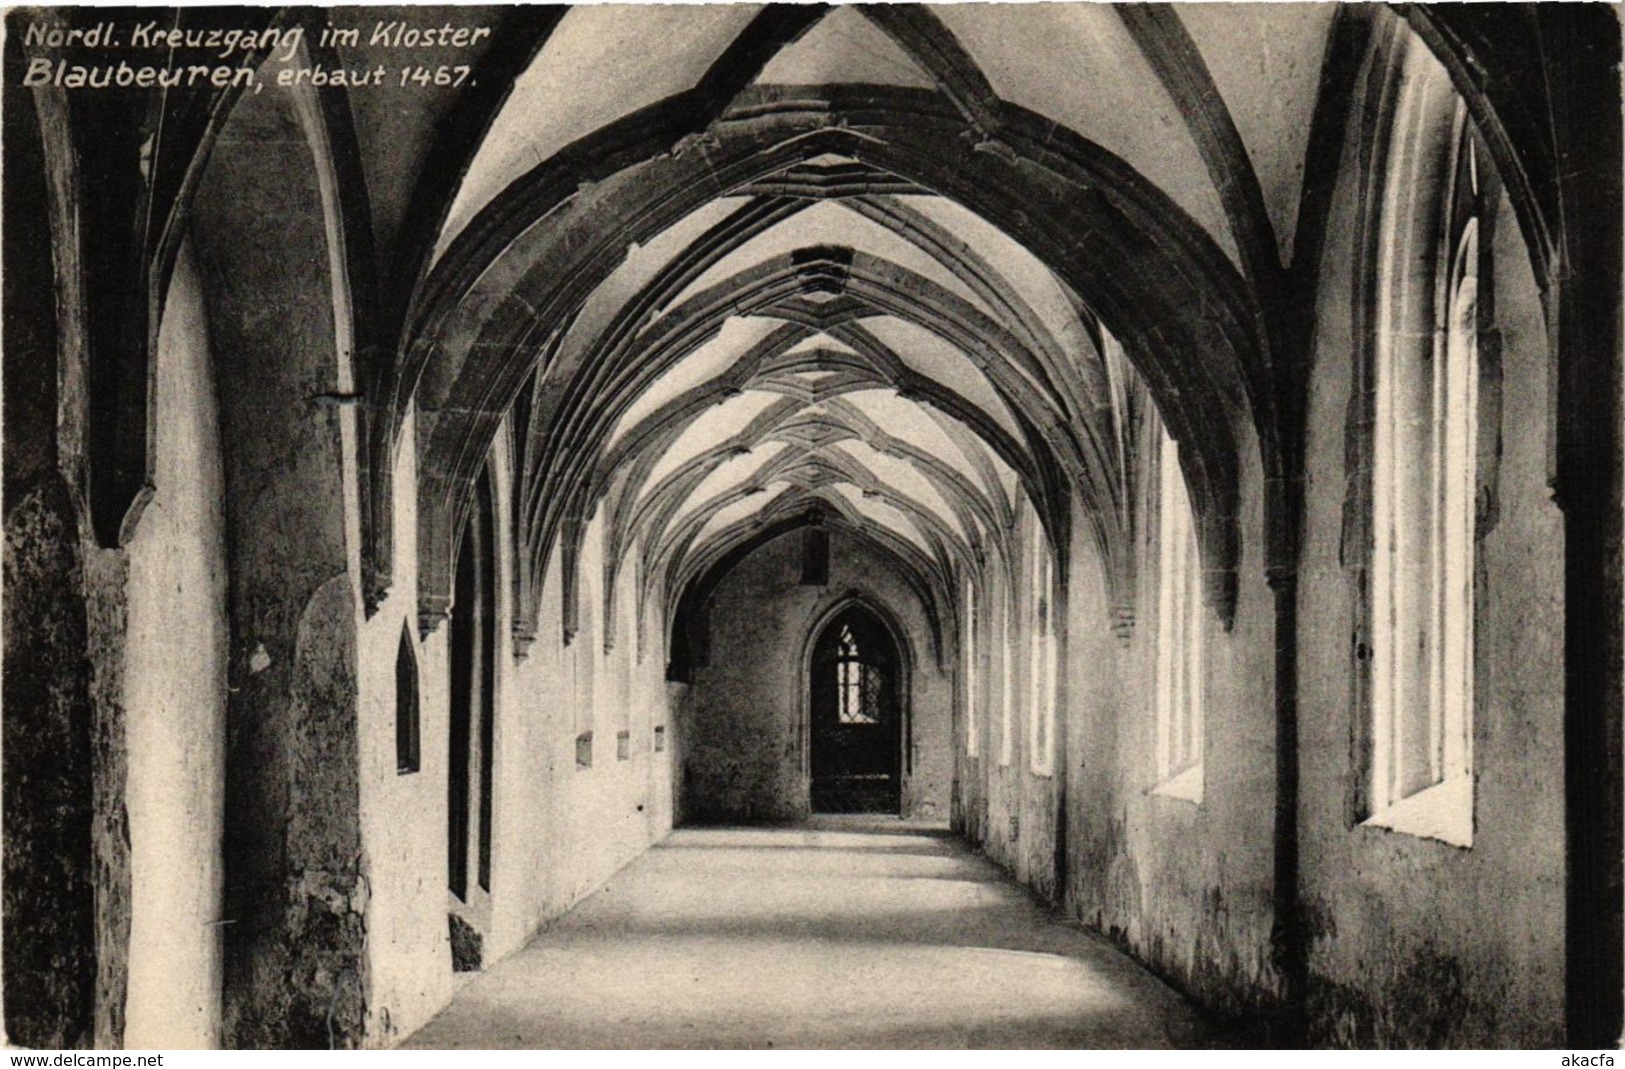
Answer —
832 934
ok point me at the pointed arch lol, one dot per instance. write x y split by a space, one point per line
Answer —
1170 290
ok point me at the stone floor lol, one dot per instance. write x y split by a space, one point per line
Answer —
840 933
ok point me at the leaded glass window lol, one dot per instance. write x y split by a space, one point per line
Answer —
857 684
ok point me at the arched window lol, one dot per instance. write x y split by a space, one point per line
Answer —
1178 701
1041 708
1007 676
408 744
857 682
1424 382
973 697
857 705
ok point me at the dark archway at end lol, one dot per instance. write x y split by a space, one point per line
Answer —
858 714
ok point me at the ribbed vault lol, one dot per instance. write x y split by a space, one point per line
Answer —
833 275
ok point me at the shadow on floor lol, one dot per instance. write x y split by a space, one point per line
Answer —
841 932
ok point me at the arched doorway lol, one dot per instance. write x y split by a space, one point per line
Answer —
857 716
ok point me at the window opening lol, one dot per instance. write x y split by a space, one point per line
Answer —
1041 728
408 735
973 741
1425 477
1007 679
858 684
1179 728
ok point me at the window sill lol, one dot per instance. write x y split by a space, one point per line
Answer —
1443 811
1186 786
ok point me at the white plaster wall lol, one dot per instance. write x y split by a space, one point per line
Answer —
558 832
403 822
175 668
562 830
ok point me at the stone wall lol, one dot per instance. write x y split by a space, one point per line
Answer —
560 828
49 894
1410 940
743 724
1184 886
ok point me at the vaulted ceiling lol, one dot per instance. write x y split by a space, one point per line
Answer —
908 269
899 268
